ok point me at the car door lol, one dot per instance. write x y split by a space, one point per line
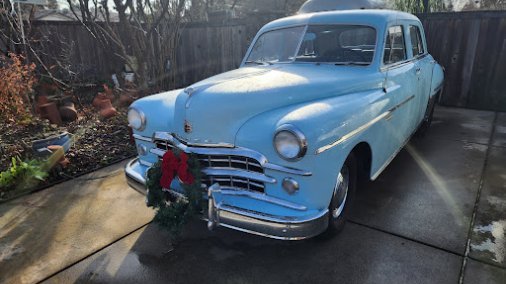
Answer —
400 85
423 71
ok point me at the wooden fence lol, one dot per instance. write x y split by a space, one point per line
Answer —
472 48
470 45
207 51
204 50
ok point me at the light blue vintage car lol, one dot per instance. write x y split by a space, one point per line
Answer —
320 101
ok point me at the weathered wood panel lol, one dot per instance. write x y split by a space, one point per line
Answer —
203 51
472 48
470 45
207 51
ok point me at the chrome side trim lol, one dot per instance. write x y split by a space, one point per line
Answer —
142 138
402 103
262 197
238 173
438 88
360 129
352 133
284 169
391 158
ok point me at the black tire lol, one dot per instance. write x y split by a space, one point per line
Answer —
342 202
427 119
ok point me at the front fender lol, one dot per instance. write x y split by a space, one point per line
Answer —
159 111
322 122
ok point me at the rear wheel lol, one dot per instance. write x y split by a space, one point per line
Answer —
427 119
343 195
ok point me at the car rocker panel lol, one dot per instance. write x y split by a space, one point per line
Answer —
273 135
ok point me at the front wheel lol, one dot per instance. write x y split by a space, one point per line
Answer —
343 195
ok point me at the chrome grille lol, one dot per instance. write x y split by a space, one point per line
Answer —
234 182
235 162
227 161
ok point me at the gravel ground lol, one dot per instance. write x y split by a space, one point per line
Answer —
97 142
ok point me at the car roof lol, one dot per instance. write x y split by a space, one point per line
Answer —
372 17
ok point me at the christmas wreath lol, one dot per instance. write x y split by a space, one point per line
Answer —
173 211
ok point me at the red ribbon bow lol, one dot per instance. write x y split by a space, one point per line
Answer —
172 166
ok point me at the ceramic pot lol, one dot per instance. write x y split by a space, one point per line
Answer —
50 111
108 112
108 92
41 100
98 99
106 109
68 111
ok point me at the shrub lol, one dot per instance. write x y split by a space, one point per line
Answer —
21 175
16 83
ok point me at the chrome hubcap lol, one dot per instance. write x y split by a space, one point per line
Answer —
341 191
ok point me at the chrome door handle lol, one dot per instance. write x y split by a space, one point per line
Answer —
417 71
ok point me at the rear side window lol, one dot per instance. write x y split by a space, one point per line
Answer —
395 47
416 41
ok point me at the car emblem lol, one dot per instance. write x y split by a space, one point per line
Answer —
187 126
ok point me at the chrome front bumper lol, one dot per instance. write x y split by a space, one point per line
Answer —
135 176
253 222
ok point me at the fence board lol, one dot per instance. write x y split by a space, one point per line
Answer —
470 45
472 48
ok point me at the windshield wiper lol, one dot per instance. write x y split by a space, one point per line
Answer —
259 62
352 63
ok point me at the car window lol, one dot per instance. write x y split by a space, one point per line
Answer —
395 47
416 41
338 44
276 46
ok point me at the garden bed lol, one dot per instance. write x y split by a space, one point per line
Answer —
96 142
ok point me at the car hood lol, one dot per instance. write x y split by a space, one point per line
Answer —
214 109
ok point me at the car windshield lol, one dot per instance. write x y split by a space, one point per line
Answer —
338 44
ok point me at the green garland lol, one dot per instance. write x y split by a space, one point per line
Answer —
173 212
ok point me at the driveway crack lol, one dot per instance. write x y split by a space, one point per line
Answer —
477 201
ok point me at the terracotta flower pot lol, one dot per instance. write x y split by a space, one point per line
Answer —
68 112
41 100
98 99
108 112
50 111
105 104
106 109
108 92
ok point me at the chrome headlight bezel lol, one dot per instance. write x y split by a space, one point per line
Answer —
299 136
140 115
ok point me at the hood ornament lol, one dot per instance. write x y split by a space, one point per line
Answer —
189 91
187 126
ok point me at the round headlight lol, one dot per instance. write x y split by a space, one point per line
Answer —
290 143
136 119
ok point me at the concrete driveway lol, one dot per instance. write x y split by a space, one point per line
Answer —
436 215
